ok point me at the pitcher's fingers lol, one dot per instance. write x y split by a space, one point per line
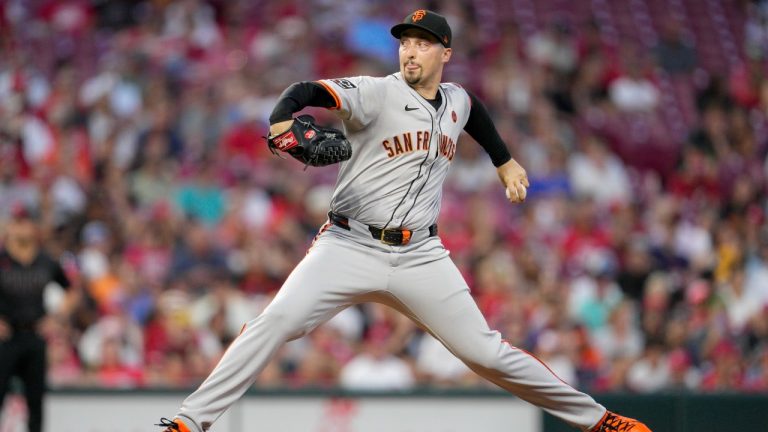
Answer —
522 192
512 194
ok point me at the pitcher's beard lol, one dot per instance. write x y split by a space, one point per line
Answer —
413 78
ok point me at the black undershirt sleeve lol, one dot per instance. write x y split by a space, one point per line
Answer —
299 96
480 127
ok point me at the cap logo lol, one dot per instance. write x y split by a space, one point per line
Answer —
445 40
418 15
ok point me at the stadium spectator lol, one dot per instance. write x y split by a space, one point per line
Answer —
675 52
632 90
374 368
650 373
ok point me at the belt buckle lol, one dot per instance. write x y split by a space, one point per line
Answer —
402 237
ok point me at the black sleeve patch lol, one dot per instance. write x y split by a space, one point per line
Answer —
344 83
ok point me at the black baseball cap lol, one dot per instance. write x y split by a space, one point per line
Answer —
427 20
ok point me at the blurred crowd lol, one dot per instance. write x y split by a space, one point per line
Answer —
134 132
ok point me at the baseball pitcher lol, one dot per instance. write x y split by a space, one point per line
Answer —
381 240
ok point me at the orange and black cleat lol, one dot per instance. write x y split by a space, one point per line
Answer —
612 422
174 425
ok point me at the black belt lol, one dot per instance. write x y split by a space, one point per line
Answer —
389 236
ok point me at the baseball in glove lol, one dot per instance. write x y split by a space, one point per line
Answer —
312 144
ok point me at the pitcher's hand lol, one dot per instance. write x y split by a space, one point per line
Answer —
515 180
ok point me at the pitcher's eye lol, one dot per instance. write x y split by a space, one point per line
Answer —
421 45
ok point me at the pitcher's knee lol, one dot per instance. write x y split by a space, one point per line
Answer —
276 322
486 358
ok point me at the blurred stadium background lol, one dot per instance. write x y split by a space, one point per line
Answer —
638 264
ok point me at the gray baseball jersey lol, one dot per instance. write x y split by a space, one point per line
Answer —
402 148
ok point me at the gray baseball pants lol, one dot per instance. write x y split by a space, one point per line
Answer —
345 267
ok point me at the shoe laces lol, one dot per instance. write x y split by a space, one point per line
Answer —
168 424
615 423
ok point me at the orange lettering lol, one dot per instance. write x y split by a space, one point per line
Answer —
407 142
443 145
390 153
398 146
